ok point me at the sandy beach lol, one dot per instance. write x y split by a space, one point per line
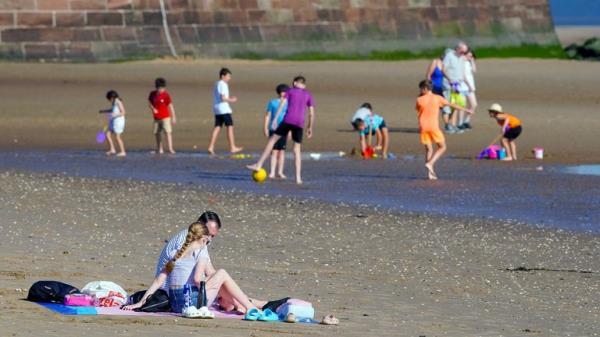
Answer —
55 105
381 273
422 259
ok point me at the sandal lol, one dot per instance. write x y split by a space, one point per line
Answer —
268 316
330 320
205 313
191 312
252 314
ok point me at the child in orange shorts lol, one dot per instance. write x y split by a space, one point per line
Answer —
428 107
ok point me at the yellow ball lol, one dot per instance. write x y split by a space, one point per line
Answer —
260 175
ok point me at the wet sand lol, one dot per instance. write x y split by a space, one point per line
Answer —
382 273
530 193
55 105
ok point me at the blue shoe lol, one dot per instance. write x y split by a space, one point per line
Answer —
253 314
268 316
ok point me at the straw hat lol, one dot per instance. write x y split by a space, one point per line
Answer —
495 107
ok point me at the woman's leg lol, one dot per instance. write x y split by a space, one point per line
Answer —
281 164
222 280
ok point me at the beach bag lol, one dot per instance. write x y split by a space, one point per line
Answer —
50 291
107 294
79 300
301 309
157 302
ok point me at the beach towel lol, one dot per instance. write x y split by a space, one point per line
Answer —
113 311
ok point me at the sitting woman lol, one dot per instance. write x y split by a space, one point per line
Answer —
188 268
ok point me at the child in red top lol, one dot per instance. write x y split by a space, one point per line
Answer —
428 107
164 114
511 129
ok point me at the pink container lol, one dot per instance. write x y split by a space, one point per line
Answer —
79 300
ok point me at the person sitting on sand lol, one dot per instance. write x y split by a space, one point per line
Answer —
116 123
511 129
188 267
428 107
212 221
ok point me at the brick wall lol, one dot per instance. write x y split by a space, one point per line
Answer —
96 30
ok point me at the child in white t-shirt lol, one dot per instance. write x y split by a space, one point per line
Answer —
222 112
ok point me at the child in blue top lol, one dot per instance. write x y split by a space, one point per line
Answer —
278 153
376 124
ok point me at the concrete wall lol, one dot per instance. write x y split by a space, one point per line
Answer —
97 30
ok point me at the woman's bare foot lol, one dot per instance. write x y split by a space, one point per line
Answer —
378 147
121 154
110 153
236 149
171 151
298 181
281 176
507 159
272 176
211 152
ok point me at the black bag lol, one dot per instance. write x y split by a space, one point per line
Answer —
50 291
157 302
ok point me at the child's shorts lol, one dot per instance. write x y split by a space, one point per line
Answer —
281 143
117 125
458 99
162 125
296 131
223 119
513 133
430 137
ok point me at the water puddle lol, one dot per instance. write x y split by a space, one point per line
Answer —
588 170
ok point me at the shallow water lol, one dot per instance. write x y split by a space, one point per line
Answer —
514 192
583 170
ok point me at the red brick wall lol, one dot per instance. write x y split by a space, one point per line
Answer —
94 30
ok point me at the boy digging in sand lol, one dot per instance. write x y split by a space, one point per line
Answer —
428 107
298 99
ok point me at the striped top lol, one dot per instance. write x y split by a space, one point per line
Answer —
171 248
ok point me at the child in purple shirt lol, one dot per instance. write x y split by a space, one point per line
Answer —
298 99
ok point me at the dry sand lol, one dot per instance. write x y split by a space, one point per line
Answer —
381 273
55 105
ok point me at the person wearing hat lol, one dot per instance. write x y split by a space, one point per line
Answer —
511 129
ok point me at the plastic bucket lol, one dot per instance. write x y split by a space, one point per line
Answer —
538 152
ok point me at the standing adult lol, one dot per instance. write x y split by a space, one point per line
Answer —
469 89
435 73
454 76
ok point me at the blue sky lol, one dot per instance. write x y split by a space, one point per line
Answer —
575 12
